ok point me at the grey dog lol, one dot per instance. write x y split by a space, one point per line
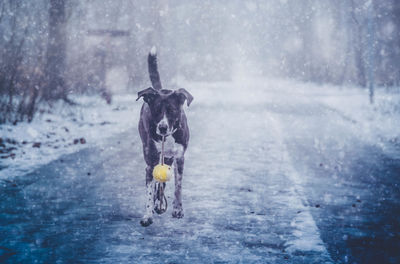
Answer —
161 116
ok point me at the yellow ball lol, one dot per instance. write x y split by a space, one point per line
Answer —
162 173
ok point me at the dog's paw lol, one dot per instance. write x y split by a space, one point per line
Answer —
146 221
159 210
177 213
159 207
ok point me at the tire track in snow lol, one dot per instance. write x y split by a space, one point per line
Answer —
243 147
249 153
306 233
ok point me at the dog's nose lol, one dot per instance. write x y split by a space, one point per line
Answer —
163 128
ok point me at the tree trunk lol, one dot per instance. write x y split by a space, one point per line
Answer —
358 30
395 50
56 52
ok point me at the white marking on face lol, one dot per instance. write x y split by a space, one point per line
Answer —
163 123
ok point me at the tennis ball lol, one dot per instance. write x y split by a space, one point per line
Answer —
162 173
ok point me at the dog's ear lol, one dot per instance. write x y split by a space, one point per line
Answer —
184 95
148 94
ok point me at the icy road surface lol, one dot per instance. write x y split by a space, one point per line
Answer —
271 176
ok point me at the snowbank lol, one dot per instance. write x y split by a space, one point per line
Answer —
30 145
65 130
377 123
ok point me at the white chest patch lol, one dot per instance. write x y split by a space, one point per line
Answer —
171 148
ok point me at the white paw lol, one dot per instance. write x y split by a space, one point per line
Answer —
146 221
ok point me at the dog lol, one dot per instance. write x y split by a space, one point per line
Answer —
162 115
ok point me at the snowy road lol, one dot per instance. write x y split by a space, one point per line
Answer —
270 177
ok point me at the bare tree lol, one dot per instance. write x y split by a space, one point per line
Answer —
357 32
55 87
11 57
396 42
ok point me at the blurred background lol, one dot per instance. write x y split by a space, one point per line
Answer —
293 157
50 49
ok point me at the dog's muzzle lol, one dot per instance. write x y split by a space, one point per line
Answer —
162 129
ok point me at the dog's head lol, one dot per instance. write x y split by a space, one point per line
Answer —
165 107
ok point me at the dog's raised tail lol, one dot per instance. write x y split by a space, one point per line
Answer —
153 69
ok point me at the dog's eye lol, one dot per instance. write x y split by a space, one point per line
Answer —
156 112
170 110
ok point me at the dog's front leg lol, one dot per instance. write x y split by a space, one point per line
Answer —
148 217
178 171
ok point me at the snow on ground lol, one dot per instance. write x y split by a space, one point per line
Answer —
65 130
70 128
306 237
379 119
379 122
243 198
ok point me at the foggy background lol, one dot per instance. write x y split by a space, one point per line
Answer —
52 48
294 153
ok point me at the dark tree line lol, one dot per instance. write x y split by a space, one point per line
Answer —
48 50
32 56
337 41
56 52
15 18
